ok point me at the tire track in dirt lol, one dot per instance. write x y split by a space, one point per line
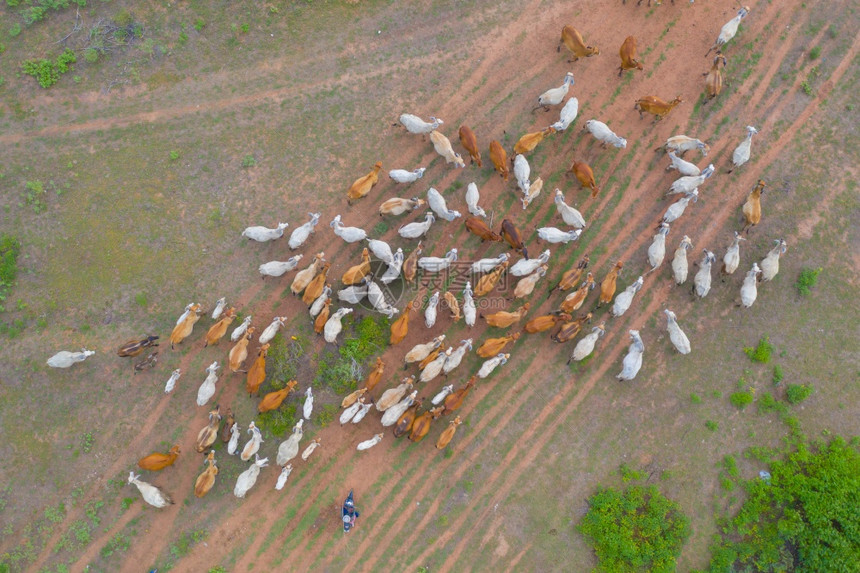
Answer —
368 205
136 445
419 527
635 245
449 109
617 160
511 478
273 296
404 35
379 550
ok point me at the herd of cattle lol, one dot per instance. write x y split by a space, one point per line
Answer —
369 283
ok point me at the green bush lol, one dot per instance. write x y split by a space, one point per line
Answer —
248 161
742 399
712 425
814 53
283 358
341 373
796 393
46 72
695 398
14 30
278 422
762 352
803 518
637 529
808 278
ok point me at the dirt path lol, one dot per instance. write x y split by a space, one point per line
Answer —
263 510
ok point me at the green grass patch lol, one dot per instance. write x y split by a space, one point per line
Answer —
778 375
628 474
9 250
341 372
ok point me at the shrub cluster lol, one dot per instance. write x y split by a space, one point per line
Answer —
637 529
803 517
46 72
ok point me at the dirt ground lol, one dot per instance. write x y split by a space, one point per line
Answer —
536 420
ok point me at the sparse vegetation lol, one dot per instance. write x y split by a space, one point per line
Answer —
778 375
767 403
814 53
637 529
9 250
248 161
280 421
325 415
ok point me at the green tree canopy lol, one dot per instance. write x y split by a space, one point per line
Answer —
637 529
806 517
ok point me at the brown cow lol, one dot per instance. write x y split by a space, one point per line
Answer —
157 461
628 56
499 157
571 38
545 322
574 300
570 329
256 377
607 286
512 235
504 319
446 436
455 400
585 175
362 186
273 400
571 277
480 229
493 346
655 106
470 144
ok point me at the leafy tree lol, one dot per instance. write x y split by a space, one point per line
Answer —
637 529
804 517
